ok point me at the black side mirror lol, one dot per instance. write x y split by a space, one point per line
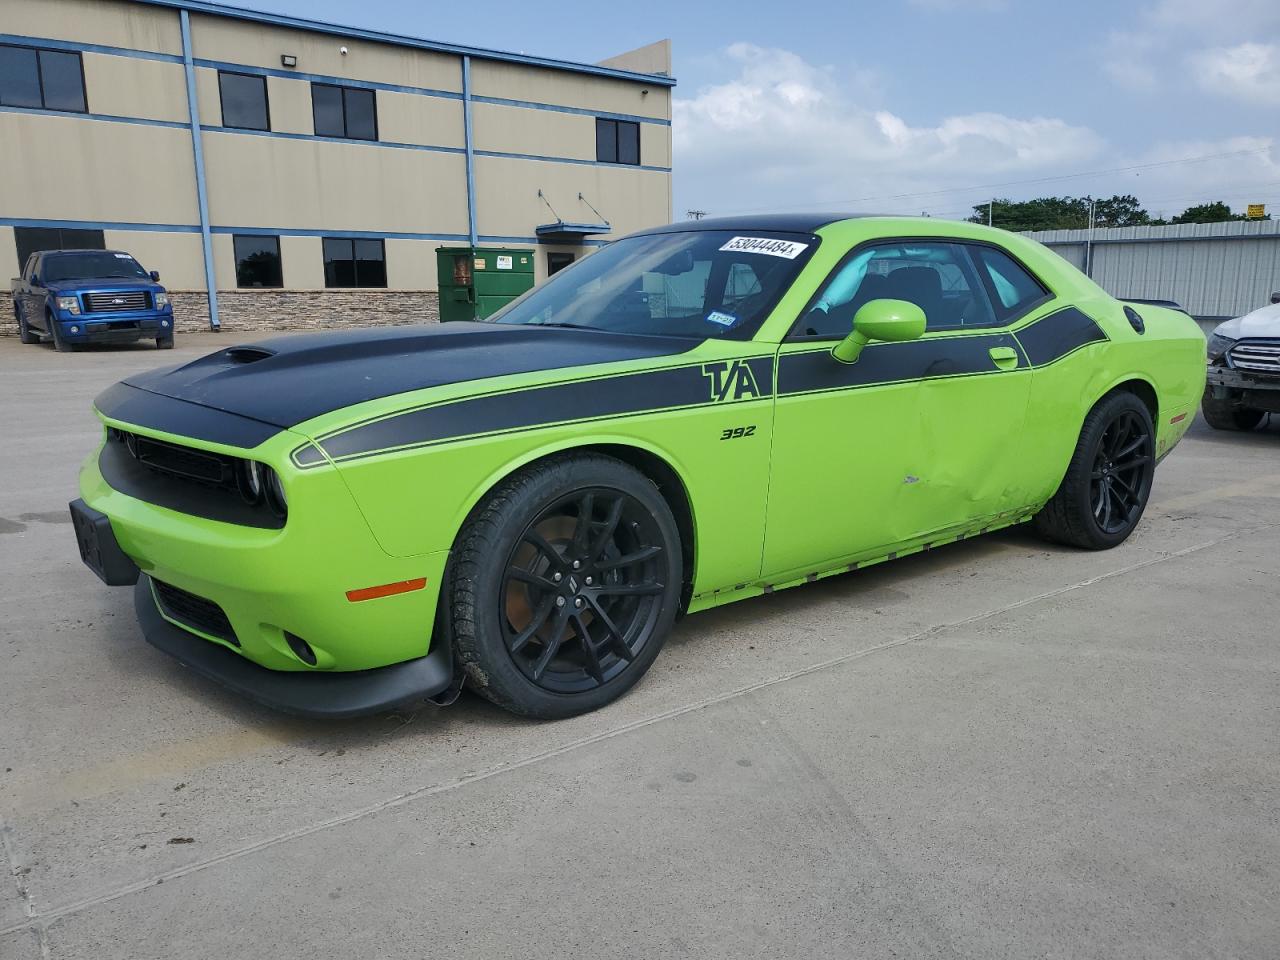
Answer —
35 280
155 275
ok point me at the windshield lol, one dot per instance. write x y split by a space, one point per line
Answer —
91 266
703 284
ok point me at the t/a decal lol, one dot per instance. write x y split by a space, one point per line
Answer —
730 380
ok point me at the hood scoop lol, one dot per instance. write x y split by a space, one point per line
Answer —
243 355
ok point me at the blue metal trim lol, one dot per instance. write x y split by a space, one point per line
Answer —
581 111
356 234
338 30
324 78
107 117
51 44
470 149
591 163
202 194
561 227
309 136
100 225
435 148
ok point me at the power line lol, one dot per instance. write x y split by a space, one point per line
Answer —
1013 183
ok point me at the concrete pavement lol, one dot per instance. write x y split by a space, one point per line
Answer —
997 749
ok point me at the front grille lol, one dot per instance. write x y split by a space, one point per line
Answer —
117 302
194 612
1256 356
186 479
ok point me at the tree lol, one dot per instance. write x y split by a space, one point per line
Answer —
1062 213
1213 212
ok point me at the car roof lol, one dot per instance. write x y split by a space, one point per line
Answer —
48 253
774 222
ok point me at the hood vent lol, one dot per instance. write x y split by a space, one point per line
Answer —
248 354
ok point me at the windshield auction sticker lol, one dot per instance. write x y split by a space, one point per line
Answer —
787 249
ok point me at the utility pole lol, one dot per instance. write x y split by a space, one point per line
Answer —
991 212
1088 247
696 214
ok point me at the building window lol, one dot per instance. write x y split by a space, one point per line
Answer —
51 79
617 141
258 261
31 239
350 112
354 263
557 261
244 101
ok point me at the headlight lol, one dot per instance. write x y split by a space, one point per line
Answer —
1218 345
250 480
161 299
275 493
69 304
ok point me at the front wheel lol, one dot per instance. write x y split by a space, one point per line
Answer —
1108 481
55 331
565 586
164 343
1225 415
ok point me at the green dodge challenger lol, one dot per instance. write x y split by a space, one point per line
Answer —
342 523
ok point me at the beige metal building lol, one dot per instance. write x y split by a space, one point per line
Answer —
306 173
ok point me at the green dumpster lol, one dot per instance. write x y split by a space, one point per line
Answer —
476 281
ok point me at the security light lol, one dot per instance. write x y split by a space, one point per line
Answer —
288 60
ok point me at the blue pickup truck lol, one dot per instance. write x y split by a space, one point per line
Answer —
90 296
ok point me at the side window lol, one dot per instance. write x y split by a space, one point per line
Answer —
31 239
244 101
938 277
348 112
51 79
617 141
257 261
1014 290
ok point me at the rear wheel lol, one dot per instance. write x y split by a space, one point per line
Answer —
1225 415
24 332
565 586
1108 481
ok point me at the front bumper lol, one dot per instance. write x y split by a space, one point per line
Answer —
1237 380
114 328
320 695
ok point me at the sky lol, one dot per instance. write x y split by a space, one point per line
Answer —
921 106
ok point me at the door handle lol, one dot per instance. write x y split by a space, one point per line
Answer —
1006 358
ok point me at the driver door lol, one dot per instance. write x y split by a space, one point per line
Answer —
912 441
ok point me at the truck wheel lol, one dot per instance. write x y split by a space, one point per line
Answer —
1225 415
164 343
24 332
1108 481
55 331
565 586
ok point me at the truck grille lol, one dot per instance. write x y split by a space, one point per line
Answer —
117 302
1256 356
194 612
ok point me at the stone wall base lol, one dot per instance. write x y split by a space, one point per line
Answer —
262 310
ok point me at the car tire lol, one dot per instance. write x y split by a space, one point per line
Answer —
164 343
1105 490
1225 415
62 346
565 585
25 334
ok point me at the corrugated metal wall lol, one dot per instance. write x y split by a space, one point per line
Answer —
1215 270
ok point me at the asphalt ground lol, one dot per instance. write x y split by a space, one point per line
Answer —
996 749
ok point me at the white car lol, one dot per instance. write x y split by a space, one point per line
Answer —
1243 381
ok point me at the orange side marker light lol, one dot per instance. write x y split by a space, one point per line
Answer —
1179 418
386 590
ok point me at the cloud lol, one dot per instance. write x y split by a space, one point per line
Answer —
1247 71
1220 17
783 132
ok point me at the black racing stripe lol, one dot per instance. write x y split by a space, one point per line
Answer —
1054 336
541 406
883 363
145 409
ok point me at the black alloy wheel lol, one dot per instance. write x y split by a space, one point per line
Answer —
1121 473
582 590
565 583
1102 495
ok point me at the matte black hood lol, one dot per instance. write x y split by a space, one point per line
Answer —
284 381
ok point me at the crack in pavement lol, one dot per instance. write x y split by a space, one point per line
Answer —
41 919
